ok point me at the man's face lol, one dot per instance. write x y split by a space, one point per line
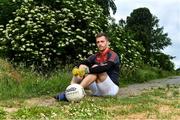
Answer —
102 43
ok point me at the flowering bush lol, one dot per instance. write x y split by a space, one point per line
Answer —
43 37
128 49
2 40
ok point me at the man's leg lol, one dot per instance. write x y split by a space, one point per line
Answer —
104 84
107 86
90 78
91 81
76 79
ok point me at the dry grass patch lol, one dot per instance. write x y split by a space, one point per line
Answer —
42 101
119 107
7 70
136 116
11 110
165 109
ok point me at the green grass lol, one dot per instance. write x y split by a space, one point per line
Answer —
154 104
32 84
40 112
2 114
144 74
23 83
19 86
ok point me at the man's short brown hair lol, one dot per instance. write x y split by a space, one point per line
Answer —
102 34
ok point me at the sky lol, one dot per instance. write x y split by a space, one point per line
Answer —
168 13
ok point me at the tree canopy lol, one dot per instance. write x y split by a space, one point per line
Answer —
145 28
107 5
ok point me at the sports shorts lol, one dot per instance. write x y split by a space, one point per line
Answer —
105 88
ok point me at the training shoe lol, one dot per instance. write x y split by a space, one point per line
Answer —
61 97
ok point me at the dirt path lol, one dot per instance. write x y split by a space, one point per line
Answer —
136 89
131 90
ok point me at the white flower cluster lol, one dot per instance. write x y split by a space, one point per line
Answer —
128 49
40 34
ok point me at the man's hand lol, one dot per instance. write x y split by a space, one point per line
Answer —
79 71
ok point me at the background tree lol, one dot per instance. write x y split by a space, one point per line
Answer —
178 70
107 5
159 39
140 25
162 61
144 27
7 7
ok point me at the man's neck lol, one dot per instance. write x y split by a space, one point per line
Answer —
103 52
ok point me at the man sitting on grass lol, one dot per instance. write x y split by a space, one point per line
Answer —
102 71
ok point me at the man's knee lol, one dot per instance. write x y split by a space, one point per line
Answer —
101 76
82 66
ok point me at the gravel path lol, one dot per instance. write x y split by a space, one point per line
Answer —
136 89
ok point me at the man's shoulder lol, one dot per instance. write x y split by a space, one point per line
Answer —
113 52
113 56
92 57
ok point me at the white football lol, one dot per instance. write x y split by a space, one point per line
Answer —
74 92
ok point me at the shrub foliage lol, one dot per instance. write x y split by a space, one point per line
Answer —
128 49
43 37
43 34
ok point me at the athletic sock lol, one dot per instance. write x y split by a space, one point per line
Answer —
61 97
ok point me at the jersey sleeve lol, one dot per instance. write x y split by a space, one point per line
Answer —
101 68
113 57
89 61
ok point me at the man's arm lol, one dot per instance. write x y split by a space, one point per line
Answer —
101 68
86 62
89 61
